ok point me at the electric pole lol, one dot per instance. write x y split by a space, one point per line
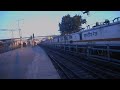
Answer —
20 32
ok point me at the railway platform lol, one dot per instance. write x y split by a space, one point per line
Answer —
27 63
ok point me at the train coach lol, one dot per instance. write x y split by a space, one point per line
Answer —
101 40
102 34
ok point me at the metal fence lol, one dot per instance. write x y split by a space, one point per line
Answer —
108 52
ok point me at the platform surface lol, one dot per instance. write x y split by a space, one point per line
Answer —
27 63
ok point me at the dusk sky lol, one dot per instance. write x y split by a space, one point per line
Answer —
44 22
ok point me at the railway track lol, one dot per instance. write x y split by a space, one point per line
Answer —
82 74
93 68
106 64
109 65
66 72
69 69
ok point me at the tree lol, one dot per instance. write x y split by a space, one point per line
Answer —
71 24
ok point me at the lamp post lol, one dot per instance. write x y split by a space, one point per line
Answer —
20 32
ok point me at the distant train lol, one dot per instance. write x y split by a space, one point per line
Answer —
105 33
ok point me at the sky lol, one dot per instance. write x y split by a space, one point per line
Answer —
43 23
